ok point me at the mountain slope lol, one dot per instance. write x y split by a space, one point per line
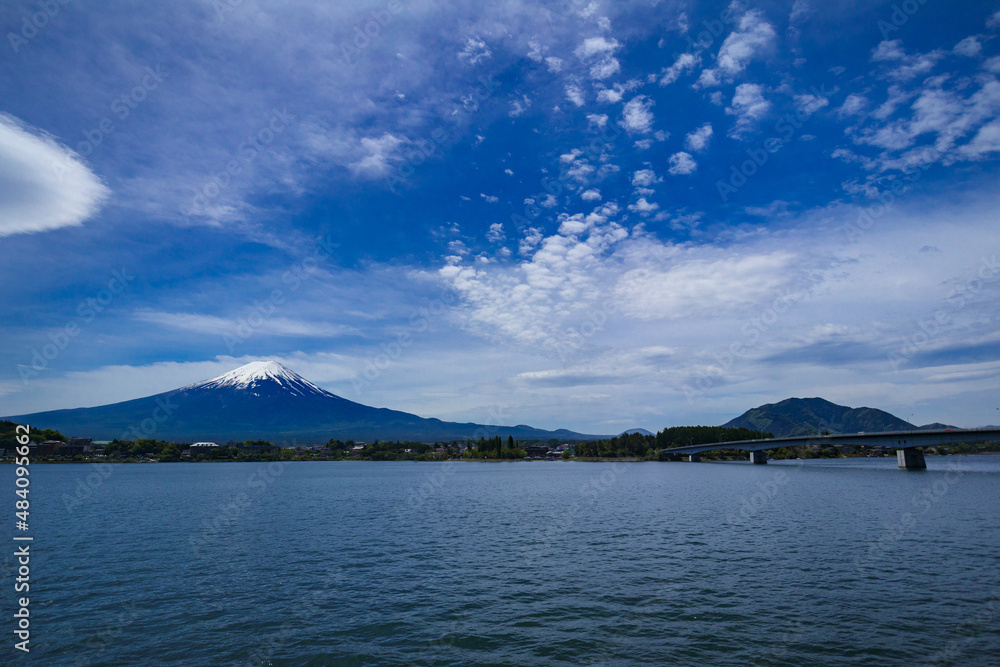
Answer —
809 416
263 400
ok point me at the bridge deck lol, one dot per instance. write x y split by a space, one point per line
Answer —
896 439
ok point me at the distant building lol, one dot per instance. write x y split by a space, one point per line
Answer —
202 448
536 450
257 449
72 448
47 448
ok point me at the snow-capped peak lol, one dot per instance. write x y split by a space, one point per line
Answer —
257 372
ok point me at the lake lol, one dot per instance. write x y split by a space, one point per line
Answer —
821 562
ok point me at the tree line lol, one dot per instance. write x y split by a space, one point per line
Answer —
640 445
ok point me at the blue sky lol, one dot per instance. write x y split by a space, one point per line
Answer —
591 215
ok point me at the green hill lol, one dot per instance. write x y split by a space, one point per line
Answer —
811 416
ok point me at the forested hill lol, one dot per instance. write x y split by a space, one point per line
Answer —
811 416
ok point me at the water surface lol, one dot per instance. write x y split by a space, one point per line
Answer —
823 562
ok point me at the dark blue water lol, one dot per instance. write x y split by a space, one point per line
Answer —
839 562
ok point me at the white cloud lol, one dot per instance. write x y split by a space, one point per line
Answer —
490 199
809 104
528 303
475 51
684 62
994 20
605 68
609 95
970 46
574 94
643 207
888 51
379 153
532 237
217 326
800 11
637 118
987 140
946 114
591 195
708 278
599 120
644 178
519 106
853 105
698 139
601 50
43 185
596 46
748 106
496 233
537 50
554 64
682 163
576 168
903 67
752 36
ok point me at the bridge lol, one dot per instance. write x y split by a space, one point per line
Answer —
904 442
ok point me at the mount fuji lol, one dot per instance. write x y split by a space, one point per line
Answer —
264 400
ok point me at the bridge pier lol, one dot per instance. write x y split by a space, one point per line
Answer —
758 457
695 458
911 458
